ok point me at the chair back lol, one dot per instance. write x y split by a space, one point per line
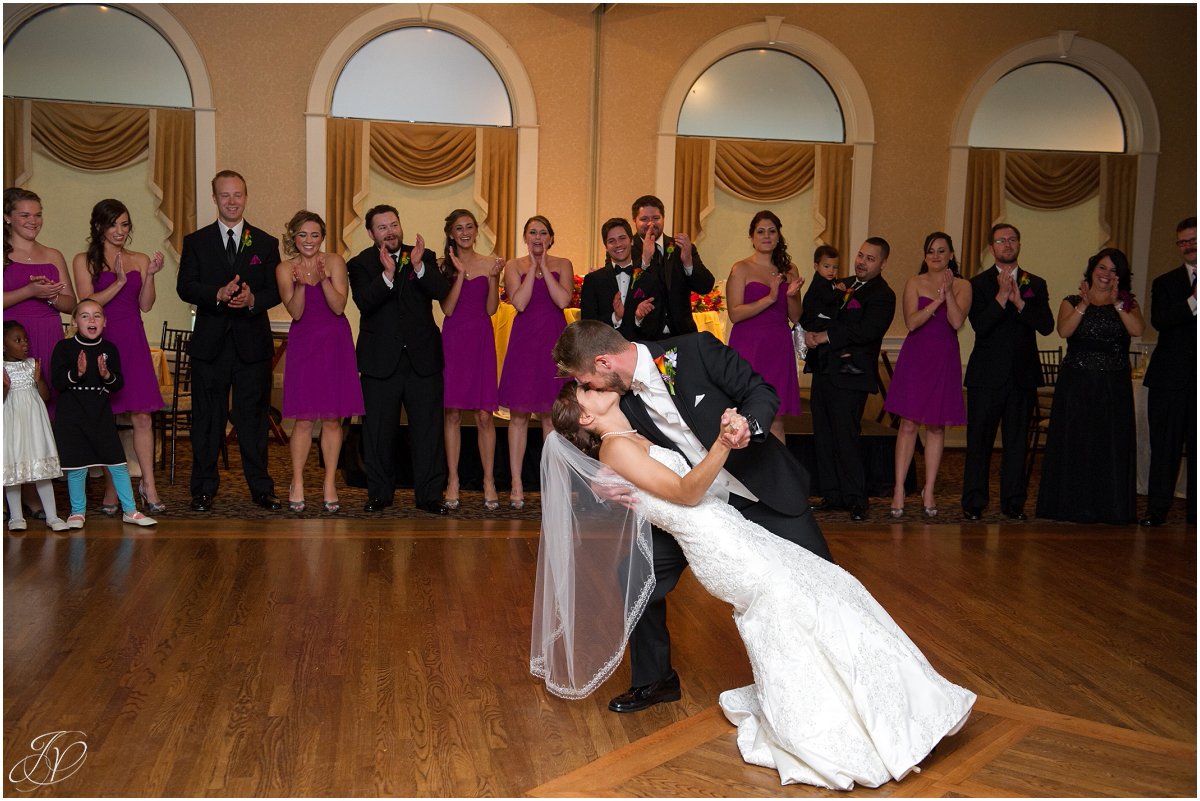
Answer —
1050 360
175 347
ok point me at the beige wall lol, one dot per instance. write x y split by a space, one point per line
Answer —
917 62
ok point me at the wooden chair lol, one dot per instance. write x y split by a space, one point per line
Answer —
885 383
176 416
1039 428
1051 360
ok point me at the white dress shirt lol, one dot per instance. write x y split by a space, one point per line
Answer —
650 389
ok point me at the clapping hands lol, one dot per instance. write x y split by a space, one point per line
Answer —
101 365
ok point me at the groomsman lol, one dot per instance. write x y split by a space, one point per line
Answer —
400 360
839 396
1171 379
1009 308
627 297
676 259
227 271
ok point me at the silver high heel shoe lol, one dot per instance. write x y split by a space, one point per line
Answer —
152 508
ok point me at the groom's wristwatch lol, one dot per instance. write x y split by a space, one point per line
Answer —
757 434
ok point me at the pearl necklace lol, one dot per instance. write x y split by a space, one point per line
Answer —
618 433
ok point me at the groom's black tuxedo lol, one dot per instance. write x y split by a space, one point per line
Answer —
710 378
400 361
230 348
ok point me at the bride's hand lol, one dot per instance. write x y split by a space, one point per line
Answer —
735 433
621 494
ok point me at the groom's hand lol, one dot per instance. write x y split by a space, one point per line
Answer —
735 432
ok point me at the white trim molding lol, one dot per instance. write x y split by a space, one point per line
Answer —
847 85
482 36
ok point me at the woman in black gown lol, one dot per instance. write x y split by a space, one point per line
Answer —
1089 474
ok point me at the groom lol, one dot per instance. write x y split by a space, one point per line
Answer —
674 392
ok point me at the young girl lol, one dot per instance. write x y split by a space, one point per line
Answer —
86 370
29 452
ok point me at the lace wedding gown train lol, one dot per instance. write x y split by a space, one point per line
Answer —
841 696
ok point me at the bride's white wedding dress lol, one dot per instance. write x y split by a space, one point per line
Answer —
841 696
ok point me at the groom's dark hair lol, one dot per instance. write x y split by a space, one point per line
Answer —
581 342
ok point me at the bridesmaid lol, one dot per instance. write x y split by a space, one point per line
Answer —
927 385
540 287
320 379
763 291
470 347
122 281
36 284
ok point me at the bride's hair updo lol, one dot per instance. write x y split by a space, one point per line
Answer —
565 414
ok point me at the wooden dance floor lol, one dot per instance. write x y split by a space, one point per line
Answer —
390 658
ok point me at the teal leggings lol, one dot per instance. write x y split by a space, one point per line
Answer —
77 478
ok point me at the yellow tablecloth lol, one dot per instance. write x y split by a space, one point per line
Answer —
502 322
162 369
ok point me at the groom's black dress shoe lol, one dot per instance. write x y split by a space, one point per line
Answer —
1015 513
1152 519
267 500
376 505
973 514
433 507
858 513
201 503
638 698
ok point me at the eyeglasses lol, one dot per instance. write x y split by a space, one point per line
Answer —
1182 242
1012 240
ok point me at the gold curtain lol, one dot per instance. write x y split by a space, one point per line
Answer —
173 172
100 138
345 180
694 193
1047 181
94 138
496 186
1050 181
1118 195
766 172
833 180
983 207
420 155
16 142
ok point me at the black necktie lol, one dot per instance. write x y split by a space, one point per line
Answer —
857 284
230 249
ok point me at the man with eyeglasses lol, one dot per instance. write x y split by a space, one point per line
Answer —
1009 308
1171 380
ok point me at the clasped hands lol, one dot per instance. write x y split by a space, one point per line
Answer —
1008 290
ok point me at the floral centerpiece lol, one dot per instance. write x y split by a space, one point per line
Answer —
712 302
575 293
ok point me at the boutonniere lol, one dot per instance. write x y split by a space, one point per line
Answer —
666 365
255 260
637 273
246 240
1022 278
670 248
846 296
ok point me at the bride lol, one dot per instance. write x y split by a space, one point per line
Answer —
841 695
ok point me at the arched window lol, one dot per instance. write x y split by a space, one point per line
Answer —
86 120
1048 106
762 94
756 118
433 77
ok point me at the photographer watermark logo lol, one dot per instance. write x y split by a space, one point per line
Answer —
56 756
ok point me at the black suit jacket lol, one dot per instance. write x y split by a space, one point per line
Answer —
710 378
399 318
858 328
596 297
1173 364
203 270
679 285
1006 340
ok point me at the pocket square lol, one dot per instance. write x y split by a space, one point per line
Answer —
255 260
853 304
698 399
1028 293
823 316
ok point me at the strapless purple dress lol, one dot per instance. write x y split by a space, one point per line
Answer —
529 381
42 321
765 340
320 376
123 327
927 384
469 344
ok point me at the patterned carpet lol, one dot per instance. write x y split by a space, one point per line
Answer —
233 500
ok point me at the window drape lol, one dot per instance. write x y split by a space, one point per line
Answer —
766 172
99 138
1048 181
422 156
